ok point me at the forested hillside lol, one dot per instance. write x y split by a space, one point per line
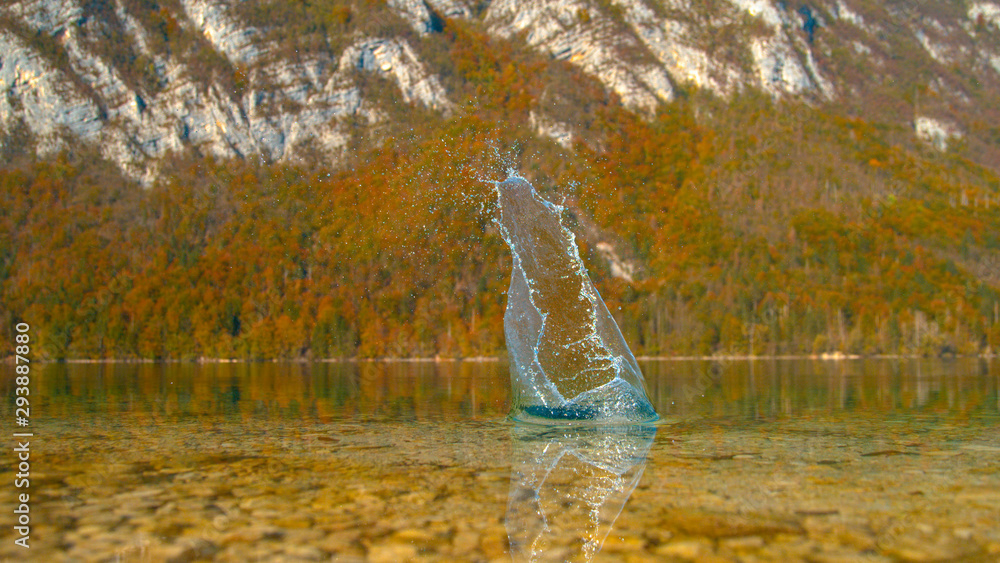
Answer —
740 224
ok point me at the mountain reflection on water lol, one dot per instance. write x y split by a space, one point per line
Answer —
893 460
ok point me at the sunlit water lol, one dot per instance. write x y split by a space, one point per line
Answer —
769 460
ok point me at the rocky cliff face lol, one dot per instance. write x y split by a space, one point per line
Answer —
140 83
72 92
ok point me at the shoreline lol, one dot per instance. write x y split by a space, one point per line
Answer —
826 357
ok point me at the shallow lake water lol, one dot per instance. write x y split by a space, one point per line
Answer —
785 460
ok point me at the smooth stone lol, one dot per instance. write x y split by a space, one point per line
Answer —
203 491
145 524
303 536
244 552
657 535
391 553
304 552
252 534
88 530
465 542
685 549
964 534
259 502
138 494
183 551
339 541
623 544
821 530
296 522
221 522
856 538
165 509
910 548
720 525
744 543
416 498
786 547
493 543
251 491
412 535
104 520
841 556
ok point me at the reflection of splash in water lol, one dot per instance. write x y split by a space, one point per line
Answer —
568 486
569 361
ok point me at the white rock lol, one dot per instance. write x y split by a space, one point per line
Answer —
116 96
994 61
825 87
415 12
619 268
325 98
762 9
134 129
989 11
42 98
937 51
451 8
234 41
395 59
778 69
132 27
635 48
561 133
937 132
843 12
420 17
47 16
668 41
592 43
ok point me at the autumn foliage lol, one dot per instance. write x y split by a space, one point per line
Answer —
757 228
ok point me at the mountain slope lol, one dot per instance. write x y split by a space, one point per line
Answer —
263 78
279 179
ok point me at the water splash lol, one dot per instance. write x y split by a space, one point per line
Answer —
569 361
